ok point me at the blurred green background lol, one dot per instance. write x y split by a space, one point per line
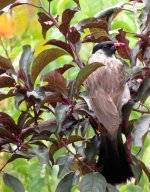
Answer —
20 27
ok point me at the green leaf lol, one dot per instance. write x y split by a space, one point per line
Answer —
84 73
5 63
93 182
66 183
25 61
42 154
65 167
141 127
13 182
5 3
43 59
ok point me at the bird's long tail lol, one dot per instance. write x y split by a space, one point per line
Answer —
113 160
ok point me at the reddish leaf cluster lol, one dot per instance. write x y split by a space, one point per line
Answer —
66 102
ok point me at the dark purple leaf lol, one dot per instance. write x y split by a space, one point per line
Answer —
13 182
60 44
84 73
73 35
92 23
63 69
63 28
93 39
92 148
6 134
55 80
54 98
43 59
18 100
8 122
5 64
45 22
22 119
4 3
67 16
6 81
22 75
124 52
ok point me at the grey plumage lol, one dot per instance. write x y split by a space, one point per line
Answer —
107 90
108 93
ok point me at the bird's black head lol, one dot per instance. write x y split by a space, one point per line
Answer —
109 47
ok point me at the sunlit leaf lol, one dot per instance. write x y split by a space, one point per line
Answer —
7 26
93 182
43 59
13 182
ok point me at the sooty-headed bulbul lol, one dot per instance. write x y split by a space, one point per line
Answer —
108 92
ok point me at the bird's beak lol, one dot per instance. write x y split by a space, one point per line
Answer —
119 45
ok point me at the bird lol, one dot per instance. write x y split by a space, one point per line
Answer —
108 93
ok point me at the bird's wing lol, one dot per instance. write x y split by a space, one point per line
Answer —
105 110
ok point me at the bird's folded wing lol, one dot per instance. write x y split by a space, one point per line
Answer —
105 110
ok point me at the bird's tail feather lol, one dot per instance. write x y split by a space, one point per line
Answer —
113 161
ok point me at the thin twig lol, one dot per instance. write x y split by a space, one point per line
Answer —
49 14
141 111
84 164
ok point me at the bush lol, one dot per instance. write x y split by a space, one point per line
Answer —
64 101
